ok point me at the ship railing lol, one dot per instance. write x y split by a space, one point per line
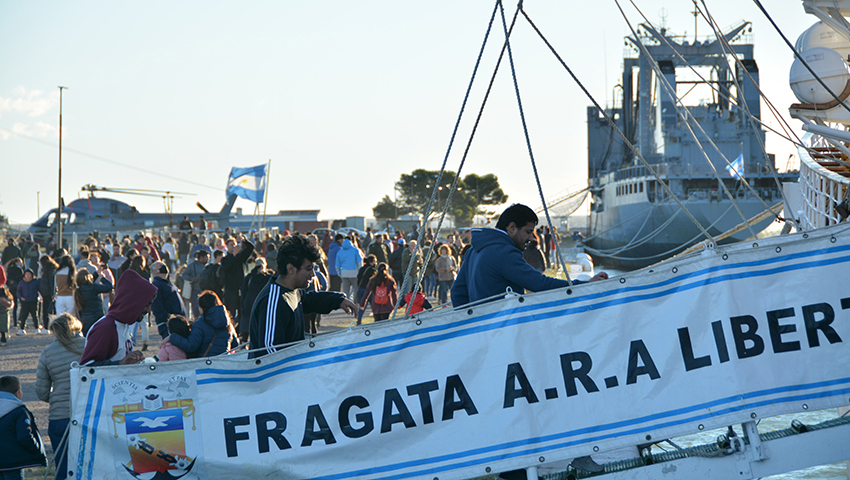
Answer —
822 190
697 194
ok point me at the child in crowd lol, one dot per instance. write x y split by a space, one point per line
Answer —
6 304
22 444
28 295
419 303
179 325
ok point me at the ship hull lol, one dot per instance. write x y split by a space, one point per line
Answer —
634 235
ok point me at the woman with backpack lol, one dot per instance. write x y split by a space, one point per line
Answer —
382 291
212 334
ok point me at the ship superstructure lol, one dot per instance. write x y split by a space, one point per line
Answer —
633 221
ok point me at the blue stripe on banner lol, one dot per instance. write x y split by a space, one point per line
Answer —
532 317
583 431
84 433
94 427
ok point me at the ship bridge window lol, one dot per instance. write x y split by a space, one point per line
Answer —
631 188
641 187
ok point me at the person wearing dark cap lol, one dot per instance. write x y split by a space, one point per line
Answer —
167 301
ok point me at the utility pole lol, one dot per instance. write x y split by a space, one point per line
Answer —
59 210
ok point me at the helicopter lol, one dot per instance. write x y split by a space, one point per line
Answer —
106 215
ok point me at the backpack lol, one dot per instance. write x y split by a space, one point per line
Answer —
210 278
381 294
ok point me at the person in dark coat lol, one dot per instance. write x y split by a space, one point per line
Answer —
11 251
22 444
168 301
14 275
212 334
87 299
232 264
534 256
48 287
251 287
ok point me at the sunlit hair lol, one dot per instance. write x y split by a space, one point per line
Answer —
66 328
48 262
209 299
83 278
444 249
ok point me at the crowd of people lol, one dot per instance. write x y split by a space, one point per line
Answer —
207 293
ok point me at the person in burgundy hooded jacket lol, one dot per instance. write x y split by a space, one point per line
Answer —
108 341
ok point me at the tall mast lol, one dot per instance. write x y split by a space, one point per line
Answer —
58 219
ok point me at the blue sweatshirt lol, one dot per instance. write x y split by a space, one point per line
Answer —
494 263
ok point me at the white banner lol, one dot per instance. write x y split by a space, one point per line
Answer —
717 338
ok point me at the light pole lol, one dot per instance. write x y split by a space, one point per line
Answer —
38 203
59 209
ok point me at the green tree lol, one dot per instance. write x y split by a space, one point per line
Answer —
415 189
385 209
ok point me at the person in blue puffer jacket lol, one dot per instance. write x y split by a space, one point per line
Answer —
212 334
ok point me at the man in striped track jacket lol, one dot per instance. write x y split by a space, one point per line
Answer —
277 317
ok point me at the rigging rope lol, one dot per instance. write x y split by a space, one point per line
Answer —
443 167
528 142
799 56
686 116
752 119
727 47
617 129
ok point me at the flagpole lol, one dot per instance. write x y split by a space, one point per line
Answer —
266 194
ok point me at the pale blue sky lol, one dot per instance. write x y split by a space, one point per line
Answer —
342 96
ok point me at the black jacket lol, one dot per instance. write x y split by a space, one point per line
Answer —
274 321
48 283
167 301
232 265
92 302
251 287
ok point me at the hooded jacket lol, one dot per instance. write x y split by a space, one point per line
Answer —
167 301
211 328
348 258
108 341
22 444
494 263
28 291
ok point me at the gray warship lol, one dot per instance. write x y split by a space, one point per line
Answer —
633 221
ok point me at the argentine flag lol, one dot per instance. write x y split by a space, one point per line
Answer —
248 183
736 168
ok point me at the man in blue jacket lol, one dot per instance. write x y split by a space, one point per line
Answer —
168 301
495 260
